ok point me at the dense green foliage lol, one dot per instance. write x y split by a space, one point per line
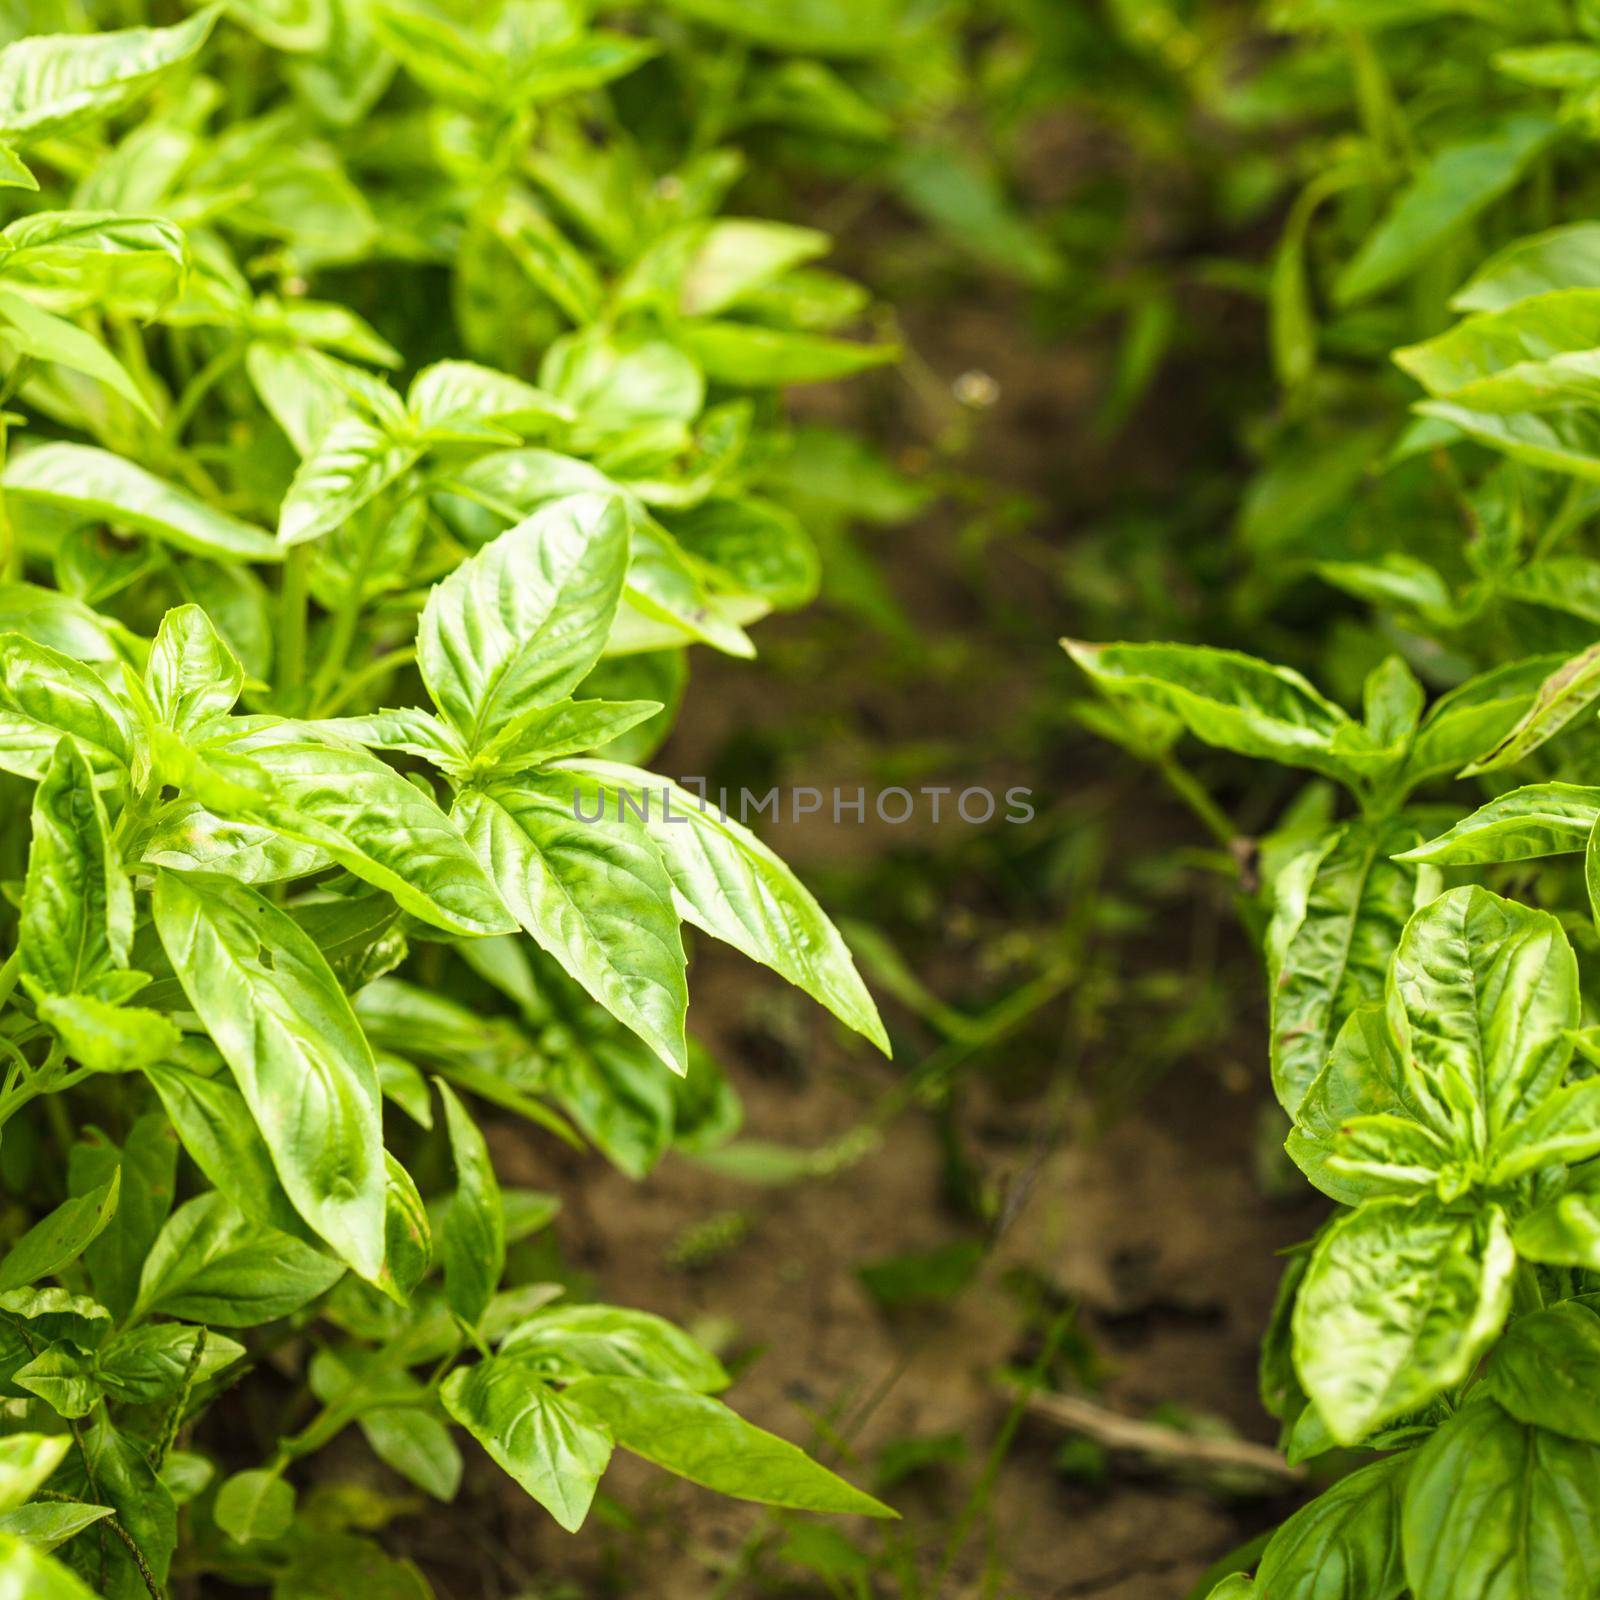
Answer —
1431 1045
393 404
389 409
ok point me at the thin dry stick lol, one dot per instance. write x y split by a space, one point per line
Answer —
1155 1439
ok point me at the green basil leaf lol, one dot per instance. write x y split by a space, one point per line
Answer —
44 1525
1564 1231
145 1366
1400 1300
404 1086
1225 699
27 1573
747 356
105 1037
301 389
668 597
734 255
146 1164
1451 188
61 1237
56 1314
254 1505
1564 1128
52 82
553 1447
188 838
1345 1545
1540 263
408 1437
418 1446
110 1467
369 819
1478 714
43 695
408 729
1364 1077
351 464
64 1378
564 729
76 925
547 258
1569 690
1236 1586
192 675
519 625
730 885
566 1342
26 1463
700 1439
214 1124
1591 872
14 173
755 548
279 1017
1543 819
82 260
407 1240
474 1224
1495 1507
60 623
212 1264
43 336
1545 1370
1338 913
671 599
451 61
611 1084
1537 355
1388 1154
101 487
617 382
594 894
460 398
1483 995
1556 441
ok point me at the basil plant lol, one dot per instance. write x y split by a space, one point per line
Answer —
334 629
1427 905
1429 1050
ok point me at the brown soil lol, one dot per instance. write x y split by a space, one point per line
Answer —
1153 1223
1156 1229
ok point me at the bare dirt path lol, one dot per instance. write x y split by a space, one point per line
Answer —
1151 1223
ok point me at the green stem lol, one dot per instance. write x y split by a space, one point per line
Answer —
293 604
199 386
10 550
333 1419
1526 1295
1569 516
334 656
9 973
342 634
372 672
1188 789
